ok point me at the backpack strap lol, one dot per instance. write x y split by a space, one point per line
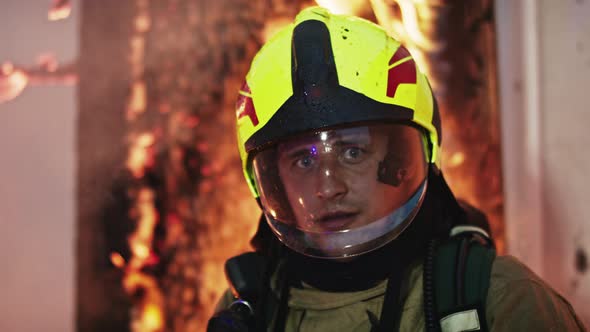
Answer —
462 267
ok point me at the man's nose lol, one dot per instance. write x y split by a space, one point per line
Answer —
330 184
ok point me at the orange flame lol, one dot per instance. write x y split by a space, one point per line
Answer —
12 82
147 312
140 241
60 9
349 7
141 155
7 68
152 318
117 260
147 315
47 62
142 23
137 101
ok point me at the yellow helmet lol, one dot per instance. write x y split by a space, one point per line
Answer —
325 70
336 128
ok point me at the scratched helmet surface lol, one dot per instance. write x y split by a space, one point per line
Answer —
325 75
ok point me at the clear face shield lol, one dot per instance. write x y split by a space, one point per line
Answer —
342 192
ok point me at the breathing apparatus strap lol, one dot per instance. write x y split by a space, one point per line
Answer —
460 274
395 294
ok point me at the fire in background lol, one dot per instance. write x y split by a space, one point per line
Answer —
162 203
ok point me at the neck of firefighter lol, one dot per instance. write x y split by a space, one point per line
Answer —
370 269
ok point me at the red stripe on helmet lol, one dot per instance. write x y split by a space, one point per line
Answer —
399 54
245 106
402 73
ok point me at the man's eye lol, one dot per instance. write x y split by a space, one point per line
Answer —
304 162
353 154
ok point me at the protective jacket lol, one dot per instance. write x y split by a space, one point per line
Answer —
517 300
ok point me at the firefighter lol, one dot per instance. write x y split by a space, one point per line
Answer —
339 136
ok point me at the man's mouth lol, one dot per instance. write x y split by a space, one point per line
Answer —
336 221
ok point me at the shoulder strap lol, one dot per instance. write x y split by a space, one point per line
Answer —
461 269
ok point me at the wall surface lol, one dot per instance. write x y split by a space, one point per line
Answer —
37 142
565 77
544 74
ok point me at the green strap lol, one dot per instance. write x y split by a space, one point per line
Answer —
464 263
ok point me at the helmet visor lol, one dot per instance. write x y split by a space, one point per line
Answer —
342 192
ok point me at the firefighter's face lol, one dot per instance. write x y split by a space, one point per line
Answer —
332 180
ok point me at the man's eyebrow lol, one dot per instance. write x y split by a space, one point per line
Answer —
349 142
297 151
351 139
